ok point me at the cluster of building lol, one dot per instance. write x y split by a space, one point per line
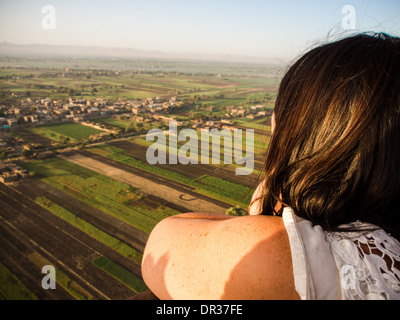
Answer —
143 114
47 111
254 112
7 145
11 173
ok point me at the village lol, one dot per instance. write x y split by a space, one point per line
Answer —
45 111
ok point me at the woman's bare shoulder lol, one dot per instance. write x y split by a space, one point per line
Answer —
203 256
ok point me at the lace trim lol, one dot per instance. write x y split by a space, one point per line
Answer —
368 263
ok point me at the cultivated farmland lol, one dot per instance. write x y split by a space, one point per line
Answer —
88 210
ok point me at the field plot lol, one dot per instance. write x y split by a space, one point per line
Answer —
86 213
103 222
120 273
12 287
74 131
115 122
120 200
136 148
33 237
178 194
96 226
31 137
225 186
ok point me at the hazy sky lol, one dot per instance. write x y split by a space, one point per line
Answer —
263 28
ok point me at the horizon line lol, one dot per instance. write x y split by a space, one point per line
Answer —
139 53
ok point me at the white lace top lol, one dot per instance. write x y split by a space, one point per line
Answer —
343 265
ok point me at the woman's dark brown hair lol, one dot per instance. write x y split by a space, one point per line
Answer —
334 156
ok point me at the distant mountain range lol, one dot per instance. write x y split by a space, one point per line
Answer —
43 50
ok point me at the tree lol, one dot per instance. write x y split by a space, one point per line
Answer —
236 211
131 128
268 97
27 153
188 124
64 140
21 120
3 155
140 127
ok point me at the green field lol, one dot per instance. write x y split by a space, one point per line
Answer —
260 145
96 233
262 124
121 274
69 285
126 123
74 131
115 122
11 288
217 188
113 197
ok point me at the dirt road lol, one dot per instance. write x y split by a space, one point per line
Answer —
149 183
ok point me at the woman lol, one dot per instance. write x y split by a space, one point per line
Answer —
325 221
